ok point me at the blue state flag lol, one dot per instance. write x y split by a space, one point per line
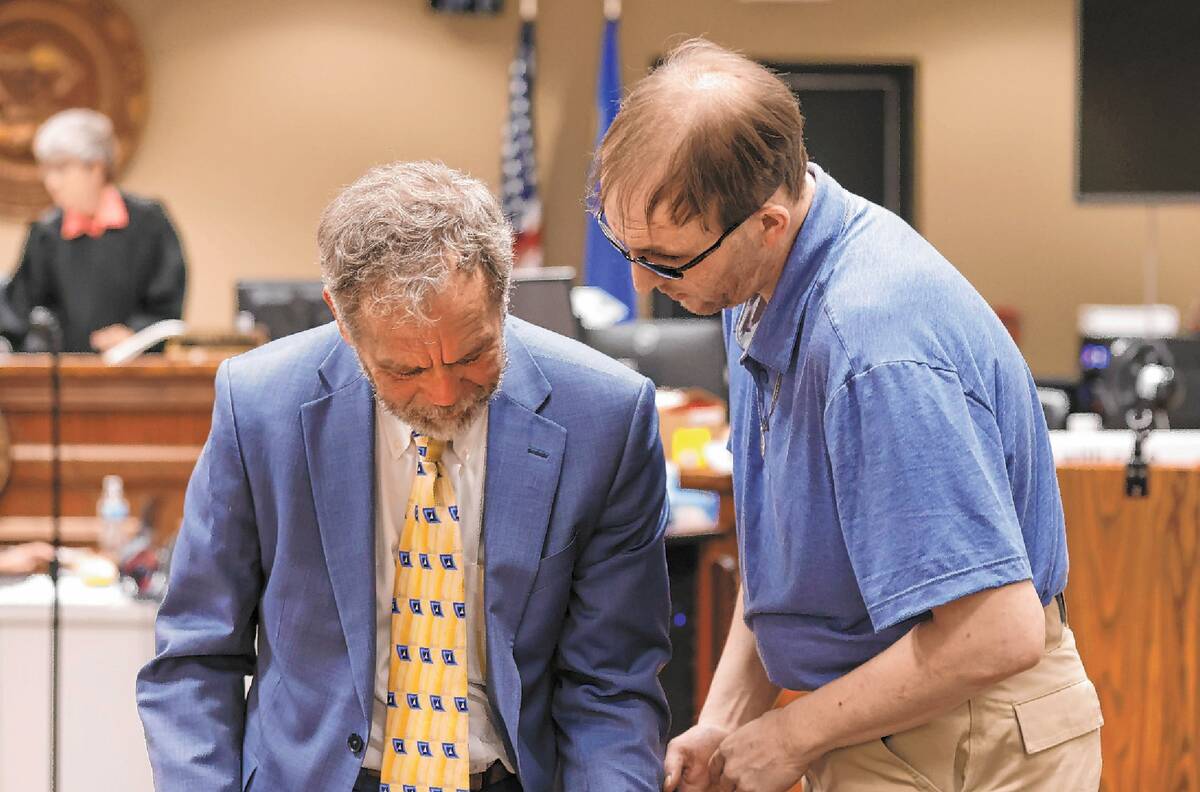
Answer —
604 266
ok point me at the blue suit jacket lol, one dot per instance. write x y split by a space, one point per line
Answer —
277 544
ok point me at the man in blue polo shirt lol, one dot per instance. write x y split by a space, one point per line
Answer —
901 533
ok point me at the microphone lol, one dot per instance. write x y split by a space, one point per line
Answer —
44 326
1145 383
1156 386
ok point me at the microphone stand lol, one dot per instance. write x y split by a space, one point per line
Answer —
44 321
1158 390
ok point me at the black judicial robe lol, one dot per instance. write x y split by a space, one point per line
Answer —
133 276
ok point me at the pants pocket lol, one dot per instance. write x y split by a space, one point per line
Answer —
1054 718
867 767
919 779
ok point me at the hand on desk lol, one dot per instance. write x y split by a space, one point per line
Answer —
25 559
106 338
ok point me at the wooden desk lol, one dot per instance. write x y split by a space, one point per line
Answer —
1134 605
145 421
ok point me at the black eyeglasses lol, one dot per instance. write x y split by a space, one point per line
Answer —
662 270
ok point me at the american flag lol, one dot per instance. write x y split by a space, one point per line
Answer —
518 170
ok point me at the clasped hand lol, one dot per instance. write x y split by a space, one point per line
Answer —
758 757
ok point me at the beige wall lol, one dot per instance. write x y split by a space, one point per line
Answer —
261 109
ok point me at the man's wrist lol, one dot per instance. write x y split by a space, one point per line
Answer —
726 713
801 734
722 722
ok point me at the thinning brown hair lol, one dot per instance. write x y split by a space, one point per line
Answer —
710 134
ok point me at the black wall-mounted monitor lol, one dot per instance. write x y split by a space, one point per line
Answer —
1139 100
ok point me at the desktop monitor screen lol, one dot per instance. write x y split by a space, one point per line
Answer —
543 297
283 307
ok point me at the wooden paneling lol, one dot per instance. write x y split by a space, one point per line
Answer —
1134 604
152 400
145 422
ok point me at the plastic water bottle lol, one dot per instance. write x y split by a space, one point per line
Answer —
112 509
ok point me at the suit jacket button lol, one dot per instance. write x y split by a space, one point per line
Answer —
355 743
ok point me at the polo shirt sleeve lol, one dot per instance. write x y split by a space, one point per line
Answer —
922 491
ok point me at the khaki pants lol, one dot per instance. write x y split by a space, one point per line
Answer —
1038 731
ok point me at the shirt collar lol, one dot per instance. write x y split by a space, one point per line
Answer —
111 213
398 434
774 337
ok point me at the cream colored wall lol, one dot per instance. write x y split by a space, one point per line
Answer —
261 109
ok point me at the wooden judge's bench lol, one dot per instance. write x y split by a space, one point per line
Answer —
144 421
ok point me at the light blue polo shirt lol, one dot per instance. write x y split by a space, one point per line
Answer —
905 462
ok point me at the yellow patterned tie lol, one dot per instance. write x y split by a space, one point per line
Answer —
425 741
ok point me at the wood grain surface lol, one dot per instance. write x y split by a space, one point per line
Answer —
1134 603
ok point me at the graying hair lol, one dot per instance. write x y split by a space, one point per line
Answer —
78 133
390 241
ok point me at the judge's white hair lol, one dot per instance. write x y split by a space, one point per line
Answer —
76 134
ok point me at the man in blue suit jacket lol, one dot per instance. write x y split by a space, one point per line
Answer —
276 572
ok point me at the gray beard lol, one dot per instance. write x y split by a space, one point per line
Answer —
441 423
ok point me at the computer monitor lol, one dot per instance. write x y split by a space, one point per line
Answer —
673 353
1186 354
283 307
543 297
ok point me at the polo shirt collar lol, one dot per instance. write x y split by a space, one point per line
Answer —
778 328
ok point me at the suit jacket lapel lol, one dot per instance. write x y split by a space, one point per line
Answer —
339 438
524 460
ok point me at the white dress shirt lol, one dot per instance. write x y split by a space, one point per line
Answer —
465 461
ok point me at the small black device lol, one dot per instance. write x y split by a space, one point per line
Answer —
467 6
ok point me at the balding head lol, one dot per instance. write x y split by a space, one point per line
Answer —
710 135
